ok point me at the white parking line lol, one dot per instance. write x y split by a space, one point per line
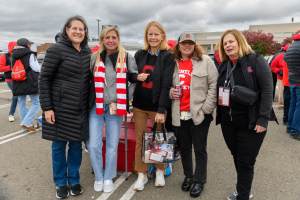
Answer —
24 134
130 192
2 91
117 183
3 83
5 105
12 134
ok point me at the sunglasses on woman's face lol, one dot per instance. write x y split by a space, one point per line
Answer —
105 26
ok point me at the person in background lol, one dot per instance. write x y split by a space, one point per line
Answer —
217 59
274 75
57 36
64 86
168 123
293 63
5 61
277 68
244 127
286 90
151 97
29 86
111 69
192 112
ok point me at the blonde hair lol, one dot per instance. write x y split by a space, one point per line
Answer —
244 48
217 47
164 44
121 49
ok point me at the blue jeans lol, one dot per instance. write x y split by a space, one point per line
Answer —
14 100
113 125
28 116
294 112
287 100
63 169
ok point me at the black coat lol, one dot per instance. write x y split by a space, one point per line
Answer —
30 85
258 80
162 76
64 88
293 62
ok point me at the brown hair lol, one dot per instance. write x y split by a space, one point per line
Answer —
197 53
68 24
164 44
244 48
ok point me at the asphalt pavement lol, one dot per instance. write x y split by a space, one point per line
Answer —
26 166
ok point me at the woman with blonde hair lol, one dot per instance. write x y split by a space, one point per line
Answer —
111 69
151 96
192 110
244 121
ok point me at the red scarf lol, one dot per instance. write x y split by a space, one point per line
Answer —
99 77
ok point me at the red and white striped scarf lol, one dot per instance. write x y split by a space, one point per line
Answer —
99 78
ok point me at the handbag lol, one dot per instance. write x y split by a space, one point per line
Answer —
112 106
158 146
241 94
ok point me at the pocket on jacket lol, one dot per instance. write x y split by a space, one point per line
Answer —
199 80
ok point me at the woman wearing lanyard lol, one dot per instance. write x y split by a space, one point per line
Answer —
111 68
151 96
243 126
191 110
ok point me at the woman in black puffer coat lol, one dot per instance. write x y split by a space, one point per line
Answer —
64 89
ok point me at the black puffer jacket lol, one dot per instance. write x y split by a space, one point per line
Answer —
30 85
293 62
64 88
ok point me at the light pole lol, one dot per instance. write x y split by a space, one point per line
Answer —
98 29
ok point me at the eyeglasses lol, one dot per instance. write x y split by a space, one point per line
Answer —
107 25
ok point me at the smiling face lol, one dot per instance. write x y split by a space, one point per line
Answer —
231 46
154 37
76 33
111 41
186 48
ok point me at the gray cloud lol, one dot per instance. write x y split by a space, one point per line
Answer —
39 21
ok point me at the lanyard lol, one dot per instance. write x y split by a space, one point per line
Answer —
228 73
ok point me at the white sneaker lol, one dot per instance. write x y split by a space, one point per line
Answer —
98 186
11 118
160 178
140 182
108 186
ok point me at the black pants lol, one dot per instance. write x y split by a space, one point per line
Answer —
287 100
244 144
189 134
274 75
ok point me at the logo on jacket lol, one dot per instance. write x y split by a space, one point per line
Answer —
249 69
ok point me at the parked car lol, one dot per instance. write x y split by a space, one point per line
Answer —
40 58
211 55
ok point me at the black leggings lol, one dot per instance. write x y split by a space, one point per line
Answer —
244 144
194 135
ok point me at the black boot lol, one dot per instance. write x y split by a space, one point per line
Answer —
187 183
196 190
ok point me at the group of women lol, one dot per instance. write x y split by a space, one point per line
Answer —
78 92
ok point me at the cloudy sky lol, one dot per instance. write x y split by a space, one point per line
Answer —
40 20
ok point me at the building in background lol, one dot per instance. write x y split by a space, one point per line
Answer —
208 40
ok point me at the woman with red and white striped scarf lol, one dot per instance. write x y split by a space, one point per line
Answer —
111 69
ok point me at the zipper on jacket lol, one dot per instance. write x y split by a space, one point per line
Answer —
80 102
